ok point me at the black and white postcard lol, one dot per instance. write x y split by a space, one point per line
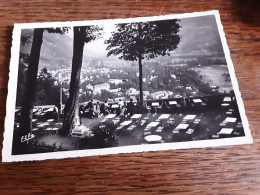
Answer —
118 86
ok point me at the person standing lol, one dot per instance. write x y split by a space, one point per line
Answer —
165 107
137 106
91 109
97 109
104 108
130 107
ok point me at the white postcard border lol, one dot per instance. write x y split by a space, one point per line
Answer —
12 85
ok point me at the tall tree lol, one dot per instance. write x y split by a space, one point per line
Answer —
144 40
82 35
30 88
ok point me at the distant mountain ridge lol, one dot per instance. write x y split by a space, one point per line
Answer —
199 35
56 50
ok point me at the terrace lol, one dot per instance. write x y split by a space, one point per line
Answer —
185 119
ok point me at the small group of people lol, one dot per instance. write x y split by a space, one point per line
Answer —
90 110
123 108
119 109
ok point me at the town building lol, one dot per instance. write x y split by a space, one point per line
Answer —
100 87
115 81
89 87
115 90
131 92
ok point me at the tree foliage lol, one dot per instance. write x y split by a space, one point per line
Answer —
91 33
145 39
60 30
48 90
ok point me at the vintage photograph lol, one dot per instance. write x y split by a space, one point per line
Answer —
111 86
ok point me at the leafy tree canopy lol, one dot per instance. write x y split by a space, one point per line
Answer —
144 40
89 33
60 30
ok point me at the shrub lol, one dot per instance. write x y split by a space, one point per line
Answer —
102 137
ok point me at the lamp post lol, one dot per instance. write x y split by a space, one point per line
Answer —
179 75
60 79
124 80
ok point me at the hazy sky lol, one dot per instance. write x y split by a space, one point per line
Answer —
97 48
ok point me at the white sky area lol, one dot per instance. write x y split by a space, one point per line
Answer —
97 48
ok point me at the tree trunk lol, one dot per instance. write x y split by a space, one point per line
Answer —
28 98
69 110
141 84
